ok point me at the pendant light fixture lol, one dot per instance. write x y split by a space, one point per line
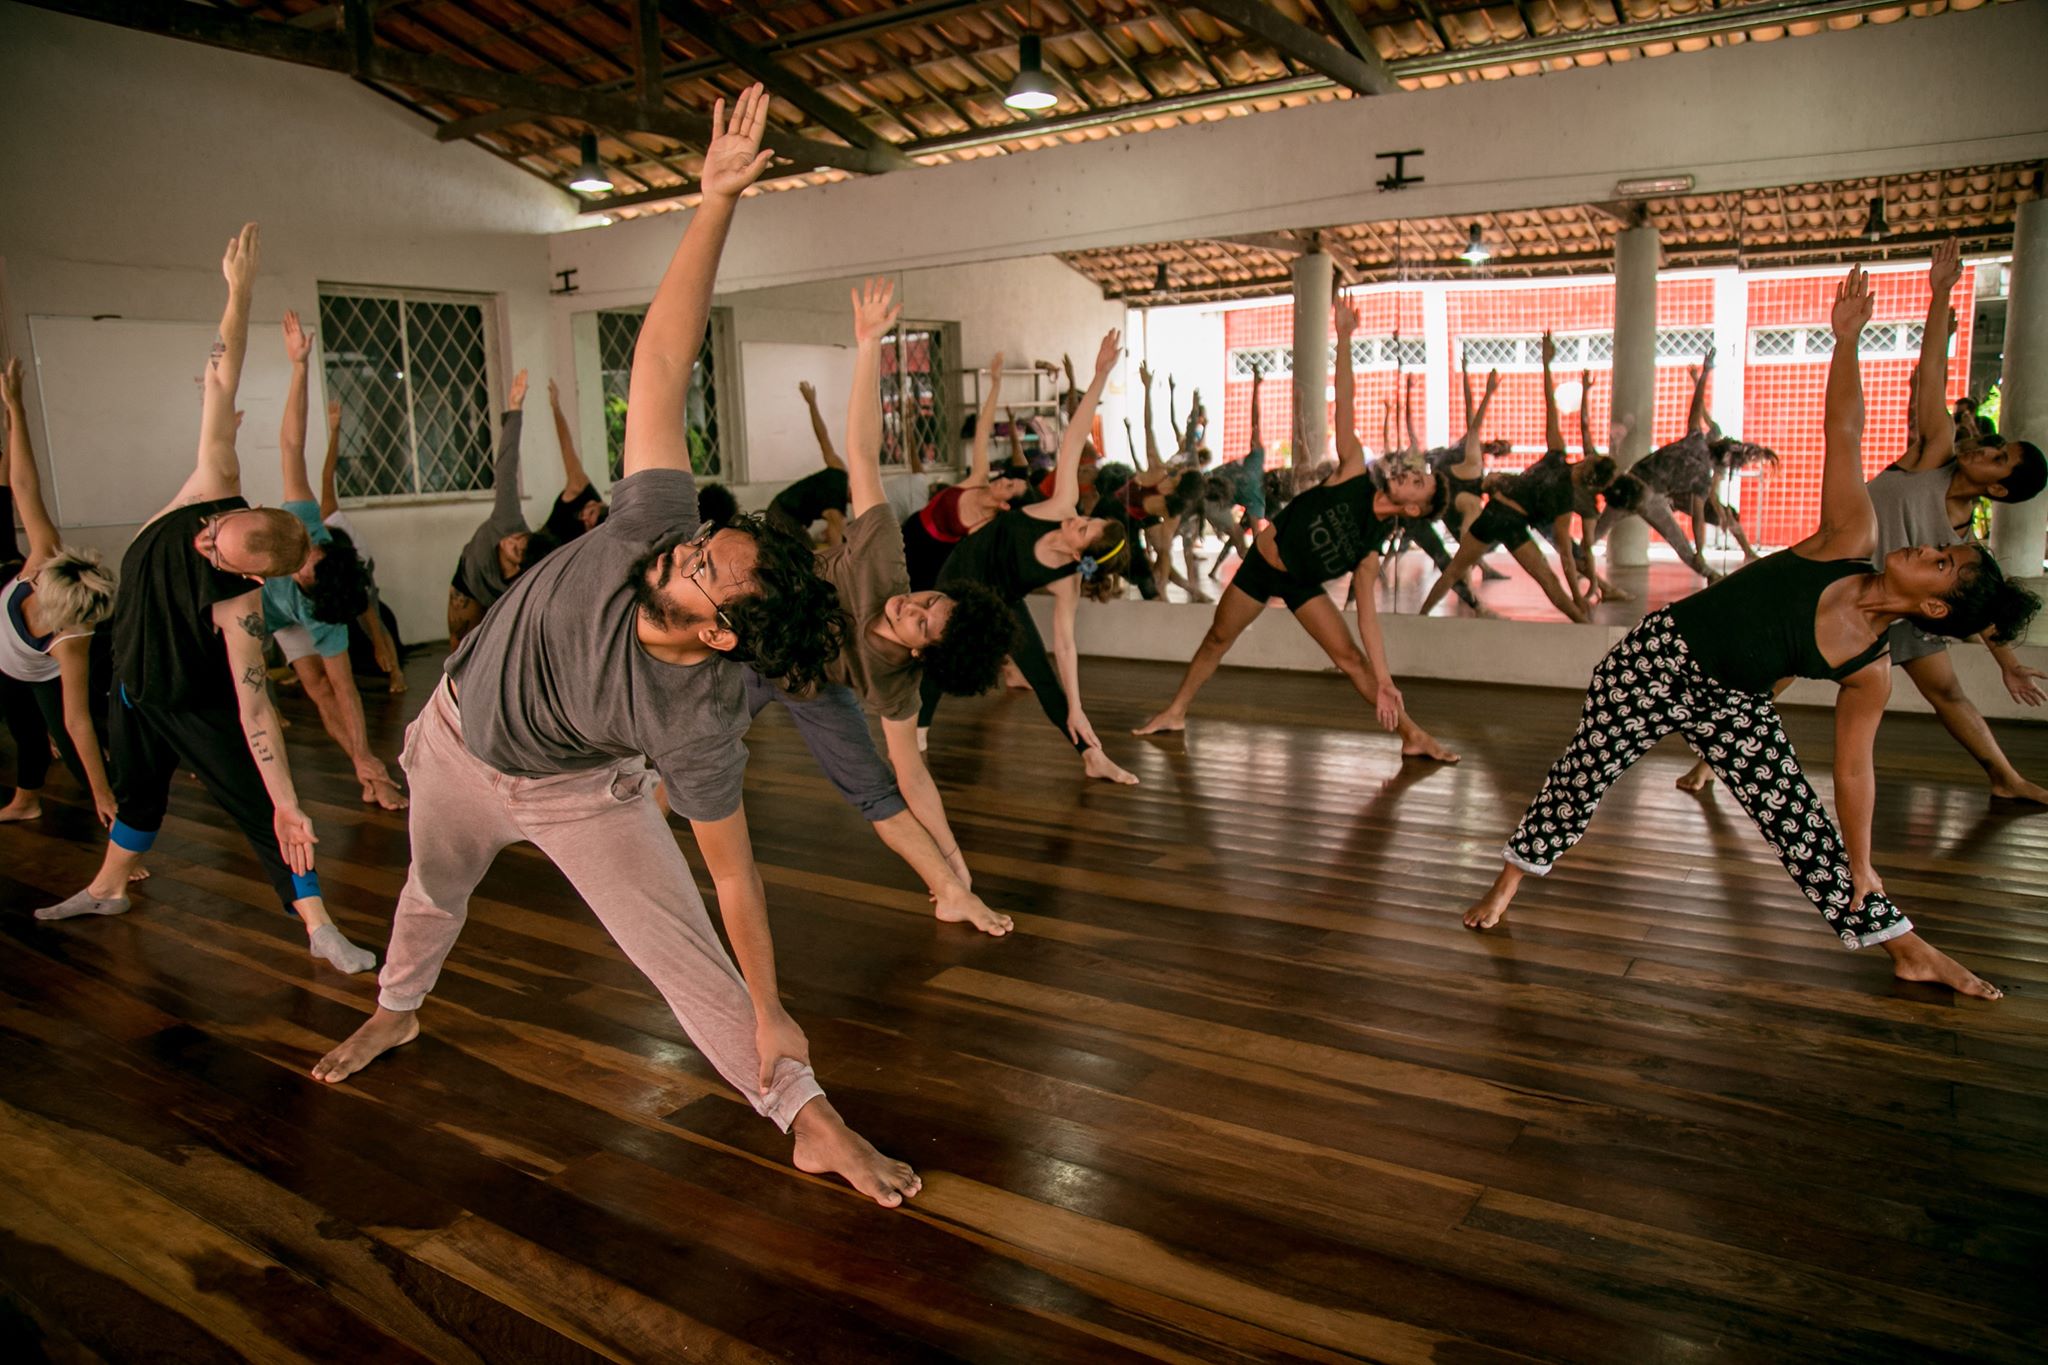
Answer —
1476 250
1032 90
590 176
1875 228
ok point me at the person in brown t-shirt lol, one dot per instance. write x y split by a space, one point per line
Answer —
895 638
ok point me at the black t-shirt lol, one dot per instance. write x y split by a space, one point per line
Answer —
1003 555
1543 490
810 497
565 518
1327 529
166 650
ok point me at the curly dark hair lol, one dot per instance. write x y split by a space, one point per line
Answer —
341 582
1983 599
1601 472
716 504
1625 493
2028 476
539 545
968 658
791 626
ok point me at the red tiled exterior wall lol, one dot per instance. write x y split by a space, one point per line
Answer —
1780 403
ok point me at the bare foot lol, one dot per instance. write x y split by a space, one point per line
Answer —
1167 722
826 1146
1613 594
967 908
1915 959
1487 911
384 1030
2020 793
19 808
1097 765
1013 678
1424 745
384 793
1697 778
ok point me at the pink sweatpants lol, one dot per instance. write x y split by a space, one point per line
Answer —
610 840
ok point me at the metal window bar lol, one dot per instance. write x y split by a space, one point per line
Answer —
401 360
618 331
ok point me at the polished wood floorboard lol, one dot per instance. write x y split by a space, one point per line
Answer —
1240 1088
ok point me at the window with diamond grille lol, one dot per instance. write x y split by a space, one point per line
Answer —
617 331
1684 343
1485 352
1268 360
917 406
1774 343
413 373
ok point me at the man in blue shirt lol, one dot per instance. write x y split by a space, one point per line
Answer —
308 612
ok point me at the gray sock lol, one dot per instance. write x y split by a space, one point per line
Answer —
331 946
84 903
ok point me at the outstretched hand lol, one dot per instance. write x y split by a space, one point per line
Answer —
10 382
776 1036
735 159
298 342
239 262
295 838
515 397
334 414
1853 305
1347 318
1549 347
875 310
810 394
1145 373
1492 381
1947 268
1106 354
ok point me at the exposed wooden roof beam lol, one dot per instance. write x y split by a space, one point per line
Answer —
1363 72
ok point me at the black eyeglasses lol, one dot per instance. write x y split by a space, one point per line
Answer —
699 547
212 523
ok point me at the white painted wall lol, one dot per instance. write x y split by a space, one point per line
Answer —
131 159
1867 102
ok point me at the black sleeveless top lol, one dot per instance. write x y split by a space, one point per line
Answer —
1004 555
1756 625
166 650
1326 530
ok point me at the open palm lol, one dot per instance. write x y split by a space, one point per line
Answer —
735 159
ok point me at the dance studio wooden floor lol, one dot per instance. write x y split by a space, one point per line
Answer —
1240 1088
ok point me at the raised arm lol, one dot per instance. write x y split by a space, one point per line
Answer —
1587 446
984 425
1696 418
1066 484
43 537
1258 380
1350 450
329 503
1173 416
505 507
874 313
1553 424
657 397
1473 465
824 437
291 432
574 479
218 473
1408 411
1848 525
1152 460
1014 436
1934 429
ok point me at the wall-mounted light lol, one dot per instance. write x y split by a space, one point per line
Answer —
590 176
1650 187
1032 90
1875 227
1476 250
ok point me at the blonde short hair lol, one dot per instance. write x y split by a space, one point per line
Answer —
75 591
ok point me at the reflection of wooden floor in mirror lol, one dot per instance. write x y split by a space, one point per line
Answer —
1515 595
1239 1088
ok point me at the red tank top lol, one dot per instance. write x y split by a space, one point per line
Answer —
941 516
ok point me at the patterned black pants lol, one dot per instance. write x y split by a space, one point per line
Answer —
1649 686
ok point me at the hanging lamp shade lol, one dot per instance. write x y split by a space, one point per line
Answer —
1476 249
1875 228
590 176
1032 90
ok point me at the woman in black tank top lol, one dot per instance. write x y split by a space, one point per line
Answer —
1047 546
1338 527
1704 668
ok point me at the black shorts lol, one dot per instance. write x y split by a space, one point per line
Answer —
1499 525
1261 582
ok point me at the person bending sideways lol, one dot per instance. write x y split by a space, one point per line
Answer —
501 548
190 688
1704 667
1046 545
1340 526
613 665
52 605
896 638
578 507
1928 496
820 496
382 645
959 510
308 612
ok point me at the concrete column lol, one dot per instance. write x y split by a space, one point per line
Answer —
2018 529
1441 419
1314 276
1637 254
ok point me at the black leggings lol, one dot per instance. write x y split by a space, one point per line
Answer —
35 717
150 743
1027 651
924 554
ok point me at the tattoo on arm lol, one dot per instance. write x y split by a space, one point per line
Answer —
253 677
252 625
259 746
217 354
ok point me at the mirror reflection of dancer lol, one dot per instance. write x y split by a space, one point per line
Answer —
52 603
619 649
1338 527
190 689
383 646
502 548
958 510
897 639
1676 477
1047 545
818 496
1704 667
1543 493
1463 468
1928 496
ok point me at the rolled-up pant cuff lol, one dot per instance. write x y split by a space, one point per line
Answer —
796 1085
1876 936
1513 859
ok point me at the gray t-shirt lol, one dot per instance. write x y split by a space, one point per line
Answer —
478 574
1912 509
556 680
